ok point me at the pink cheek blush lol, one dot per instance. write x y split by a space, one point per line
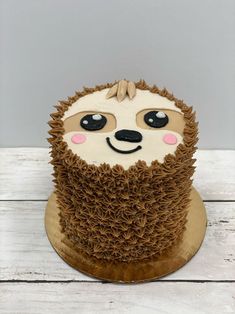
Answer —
78 138
170 139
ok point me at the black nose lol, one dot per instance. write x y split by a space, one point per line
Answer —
128 136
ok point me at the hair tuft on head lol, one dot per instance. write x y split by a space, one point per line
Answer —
121 89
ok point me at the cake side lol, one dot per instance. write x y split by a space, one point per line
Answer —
119 214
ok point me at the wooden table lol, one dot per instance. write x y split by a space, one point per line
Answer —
34 279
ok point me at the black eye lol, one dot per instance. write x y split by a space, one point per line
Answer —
156 119
93 122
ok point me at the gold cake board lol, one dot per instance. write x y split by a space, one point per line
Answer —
133 271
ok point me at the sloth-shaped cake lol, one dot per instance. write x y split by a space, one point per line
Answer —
122 156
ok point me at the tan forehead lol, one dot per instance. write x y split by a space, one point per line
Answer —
97 101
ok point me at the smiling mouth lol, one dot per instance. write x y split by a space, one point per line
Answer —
120 150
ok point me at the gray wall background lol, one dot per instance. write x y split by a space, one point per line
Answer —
50 48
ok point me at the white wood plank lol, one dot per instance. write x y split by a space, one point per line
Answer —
26 254
26 175
154 297
215 174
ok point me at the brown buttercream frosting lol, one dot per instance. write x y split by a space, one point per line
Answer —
115 214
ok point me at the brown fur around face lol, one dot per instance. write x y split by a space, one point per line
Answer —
123 215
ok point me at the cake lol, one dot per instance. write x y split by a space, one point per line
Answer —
123 162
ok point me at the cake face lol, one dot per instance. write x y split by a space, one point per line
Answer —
99 130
